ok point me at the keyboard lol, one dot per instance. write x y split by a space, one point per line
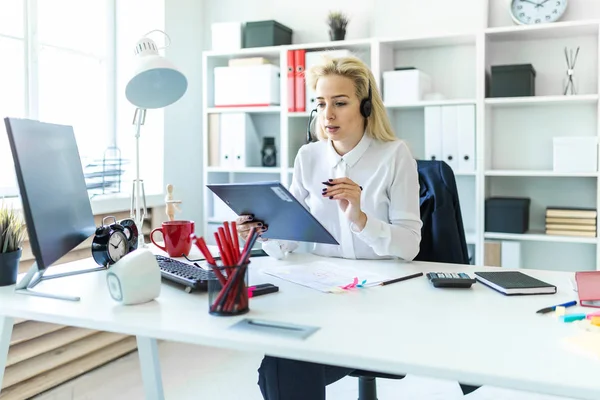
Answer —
192 277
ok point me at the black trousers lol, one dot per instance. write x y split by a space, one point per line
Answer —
283 379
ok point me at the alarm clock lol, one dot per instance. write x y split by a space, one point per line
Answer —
110 243
131 232
527 12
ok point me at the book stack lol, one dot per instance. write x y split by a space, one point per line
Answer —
571 221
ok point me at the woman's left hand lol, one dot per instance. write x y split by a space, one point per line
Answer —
347 193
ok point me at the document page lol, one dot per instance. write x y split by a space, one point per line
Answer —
325 276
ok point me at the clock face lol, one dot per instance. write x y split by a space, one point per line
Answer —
537 11
117 246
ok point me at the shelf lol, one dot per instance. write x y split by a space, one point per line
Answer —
276 51
411 42
250 110
539 237
267 52
352 45
542 100
533 173
300 114
465 173
421 104
245 170
555 30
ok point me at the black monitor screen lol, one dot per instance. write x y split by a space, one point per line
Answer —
55 200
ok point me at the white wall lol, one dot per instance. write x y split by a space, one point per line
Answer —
183 120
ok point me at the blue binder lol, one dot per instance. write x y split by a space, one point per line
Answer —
273 204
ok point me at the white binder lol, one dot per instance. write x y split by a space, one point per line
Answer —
433 133
466 138
239 144
450 136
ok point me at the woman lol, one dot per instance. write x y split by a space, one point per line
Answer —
361 183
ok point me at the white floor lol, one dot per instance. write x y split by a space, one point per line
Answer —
192 372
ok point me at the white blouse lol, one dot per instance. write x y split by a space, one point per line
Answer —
387 172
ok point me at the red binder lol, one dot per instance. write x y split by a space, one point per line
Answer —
588 288
300 81
291 70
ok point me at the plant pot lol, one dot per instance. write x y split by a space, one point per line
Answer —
9 267
337 34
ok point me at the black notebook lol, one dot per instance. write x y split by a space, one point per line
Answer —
514 282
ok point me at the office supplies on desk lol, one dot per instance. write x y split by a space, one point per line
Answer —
592 315
572 317
553 308
588 288
514 283
259 290
325 276
450 280
403 278
228 293
276 207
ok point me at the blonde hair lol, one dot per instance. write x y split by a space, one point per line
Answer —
377 125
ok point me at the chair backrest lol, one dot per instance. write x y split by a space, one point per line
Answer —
442 235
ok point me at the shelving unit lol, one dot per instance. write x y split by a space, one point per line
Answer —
513 135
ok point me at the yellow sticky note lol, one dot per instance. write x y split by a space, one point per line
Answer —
560 311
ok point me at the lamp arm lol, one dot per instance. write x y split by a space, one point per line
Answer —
138 200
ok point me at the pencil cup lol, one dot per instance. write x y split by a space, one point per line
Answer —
228 291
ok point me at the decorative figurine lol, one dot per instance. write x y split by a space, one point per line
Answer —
171 204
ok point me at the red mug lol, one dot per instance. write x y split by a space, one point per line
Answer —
177 237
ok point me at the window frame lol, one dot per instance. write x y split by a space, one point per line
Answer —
31 51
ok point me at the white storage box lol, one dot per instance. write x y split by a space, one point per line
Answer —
408 86
249 86
226 35
576 154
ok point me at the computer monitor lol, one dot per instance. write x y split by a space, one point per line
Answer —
56 205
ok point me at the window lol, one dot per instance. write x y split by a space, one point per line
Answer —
67 62
12 84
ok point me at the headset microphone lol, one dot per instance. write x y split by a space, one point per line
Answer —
308 135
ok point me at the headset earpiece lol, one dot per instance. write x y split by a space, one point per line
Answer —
366 105
308 134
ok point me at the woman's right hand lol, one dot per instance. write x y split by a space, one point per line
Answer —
246 222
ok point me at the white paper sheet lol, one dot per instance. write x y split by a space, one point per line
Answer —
324 276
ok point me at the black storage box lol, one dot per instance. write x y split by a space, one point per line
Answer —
266 33
513 80
507 214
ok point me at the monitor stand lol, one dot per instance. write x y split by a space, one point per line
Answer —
33 277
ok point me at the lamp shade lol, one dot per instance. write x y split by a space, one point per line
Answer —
155 83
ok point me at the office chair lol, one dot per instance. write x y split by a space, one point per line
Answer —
442 240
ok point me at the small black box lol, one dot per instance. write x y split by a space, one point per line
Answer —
507 214
266 33
513 80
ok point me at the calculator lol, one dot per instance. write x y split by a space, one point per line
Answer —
450 279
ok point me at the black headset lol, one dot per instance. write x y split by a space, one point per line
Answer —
366 108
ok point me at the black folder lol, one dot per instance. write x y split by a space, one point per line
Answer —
275 206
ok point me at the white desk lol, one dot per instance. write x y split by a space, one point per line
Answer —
475 336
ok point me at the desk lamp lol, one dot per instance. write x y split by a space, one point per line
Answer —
155 83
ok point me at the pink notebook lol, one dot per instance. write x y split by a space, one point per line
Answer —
588 288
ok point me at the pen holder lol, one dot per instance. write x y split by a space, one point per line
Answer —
228 291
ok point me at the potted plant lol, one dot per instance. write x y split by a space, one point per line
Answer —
337 22
12 234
